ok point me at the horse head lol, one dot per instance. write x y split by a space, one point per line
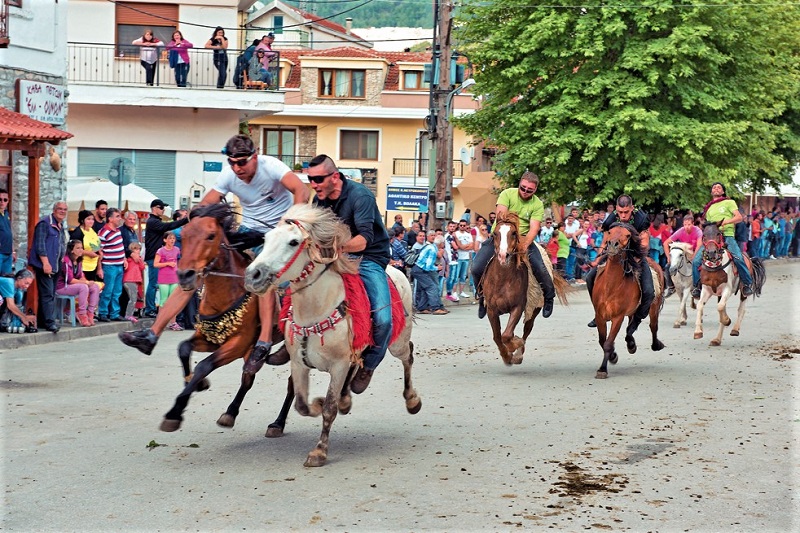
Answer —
307 236
618 239
506 237
713 243
678 252
205 236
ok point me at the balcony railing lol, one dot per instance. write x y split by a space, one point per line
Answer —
419 167
119 65
292 160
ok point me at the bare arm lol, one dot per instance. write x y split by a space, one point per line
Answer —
213 196
356 244
296 187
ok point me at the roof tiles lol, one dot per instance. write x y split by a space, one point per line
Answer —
16 126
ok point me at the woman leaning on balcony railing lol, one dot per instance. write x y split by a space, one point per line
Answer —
148 53
219 43
180 47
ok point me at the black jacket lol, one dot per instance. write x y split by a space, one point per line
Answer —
154 234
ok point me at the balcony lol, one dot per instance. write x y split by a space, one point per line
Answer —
418 168
113 75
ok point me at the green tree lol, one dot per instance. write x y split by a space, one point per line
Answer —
658 99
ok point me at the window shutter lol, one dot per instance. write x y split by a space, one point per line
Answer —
147 14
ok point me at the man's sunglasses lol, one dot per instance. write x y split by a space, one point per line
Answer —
527 190
320 179
240 162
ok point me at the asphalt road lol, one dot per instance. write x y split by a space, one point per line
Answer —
691 438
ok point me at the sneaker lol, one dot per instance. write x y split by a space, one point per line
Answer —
452 297
361 380
696 292
465 295
103 319
132 319
175 327
143 340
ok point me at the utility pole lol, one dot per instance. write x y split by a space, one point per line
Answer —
438 122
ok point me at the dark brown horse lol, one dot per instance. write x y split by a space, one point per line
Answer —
505 284
228 324
616 293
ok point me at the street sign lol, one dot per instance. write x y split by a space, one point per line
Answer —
406 198
212 166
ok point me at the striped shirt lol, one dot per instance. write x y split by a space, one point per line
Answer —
112 246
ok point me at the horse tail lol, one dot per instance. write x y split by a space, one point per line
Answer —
759 275
562 287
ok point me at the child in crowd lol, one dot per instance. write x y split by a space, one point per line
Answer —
166 261
133 278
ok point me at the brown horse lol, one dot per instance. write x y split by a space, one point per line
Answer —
228 324
616 293
505 291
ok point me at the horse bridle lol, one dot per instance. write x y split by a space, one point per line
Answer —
682 264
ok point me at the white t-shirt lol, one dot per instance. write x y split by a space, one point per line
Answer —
464 244
264 200
545 234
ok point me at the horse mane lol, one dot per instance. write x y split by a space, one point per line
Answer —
222 212
327 232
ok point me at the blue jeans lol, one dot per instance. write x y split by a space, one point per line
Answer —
181 74
428 293
6 264
152 287
571 263
738 260
380 304
463 270
109 298
452 277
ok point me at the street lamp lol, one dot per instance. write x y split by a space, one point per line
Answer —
469 82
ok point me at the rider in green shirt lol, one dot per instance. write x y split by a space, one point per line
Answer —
725 212
530 209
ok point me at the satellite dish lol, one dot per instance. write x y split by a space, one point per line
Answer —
466 159
121 171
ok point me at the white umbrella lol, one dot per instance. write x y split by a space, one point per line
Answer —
84 195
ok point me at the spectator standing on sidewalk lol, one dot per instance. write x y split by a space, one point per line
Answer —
155 228
113 262
46 258
7 253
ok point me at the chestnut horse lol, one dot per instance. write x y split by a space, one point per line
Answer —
320 324
718 278
505 283
228 324
616 293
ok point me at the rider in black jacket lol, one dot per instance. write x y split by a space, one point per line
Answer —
627 213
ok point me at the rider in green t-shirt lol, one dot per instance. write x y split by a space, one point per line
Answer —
524 202
724 212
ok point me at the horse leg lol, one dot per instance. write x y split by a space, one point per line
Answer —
608 345
494 320
724 319
512 342
174 417
346 398
228 418
701 303
739 317
185 350
683 316
300 378
655 309
633 325
413 401
329 409
276 428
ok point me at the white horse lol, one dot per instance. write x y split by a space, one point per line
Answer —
719 279
680 268
304 250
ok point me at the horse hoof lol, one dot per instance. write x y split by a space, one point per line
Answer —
683 322
315 409
226 421
345 404
698 335
274 431
631 345
413 406
601 375
613 358
734 333
715 342
315 460
656 346
516 360
203 385
170 425
676 325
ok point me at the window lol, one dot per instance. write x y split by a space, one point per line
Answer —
358 145
277 24
413 81
342 83
155 169
132 19
280 144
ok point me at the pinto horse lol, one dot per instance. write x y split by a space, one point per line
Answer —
506 284
718 278
229 323
680 268
616 293
322 326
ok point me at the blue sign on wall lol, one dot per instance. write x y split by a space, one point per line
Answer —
407 199
212 166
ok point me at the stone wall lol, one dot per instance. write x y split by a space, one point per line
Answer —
373 84
307 141
52 184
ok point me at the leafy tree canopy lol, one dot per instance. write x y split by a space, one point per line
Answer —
658 99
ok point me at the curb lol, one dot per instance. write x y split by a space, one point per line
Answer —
12 341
